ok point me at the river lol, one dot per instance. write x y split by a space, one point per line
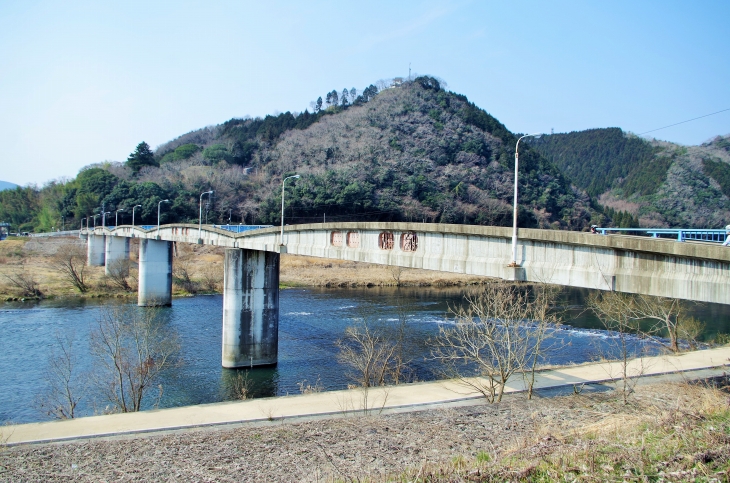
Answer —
311 321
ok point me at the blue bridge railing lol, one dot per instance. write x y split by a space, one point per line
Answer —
680 234
241 228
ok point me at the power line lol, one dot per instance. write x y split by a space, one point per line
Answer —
688 120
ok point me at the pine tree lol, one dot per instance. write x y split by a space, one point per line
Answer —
142 156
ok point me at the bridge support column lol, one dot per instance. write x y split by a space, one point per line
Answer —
95 250
250 308
155 273
117 255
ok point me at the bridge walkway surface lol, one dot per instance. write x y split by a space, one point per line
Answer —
391 398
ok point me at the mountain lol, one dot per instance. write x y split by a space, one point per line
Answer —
5 185
662 184
410 151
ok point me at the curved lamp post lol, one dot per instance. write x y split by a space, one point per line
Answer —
87 222
514 217
200 215
116 218
134 208
158 215
103 218
82 224
296 176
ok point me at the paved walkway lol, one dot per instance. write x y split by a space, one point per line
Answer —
338 402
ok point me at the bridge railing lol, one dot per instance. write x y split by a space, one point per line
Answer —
55 233
241 228
680 234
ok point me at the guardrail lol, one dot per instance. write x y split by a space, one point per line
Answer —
680 234
55 233
241 228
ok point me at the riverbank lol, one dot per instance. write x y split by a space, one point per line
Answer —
197 269
676 430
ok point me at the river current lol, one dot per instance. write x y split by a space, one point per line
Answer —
311 321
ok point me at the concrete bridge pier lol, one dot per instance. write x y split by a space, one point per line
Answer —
250 308
95 250
117 254
155 273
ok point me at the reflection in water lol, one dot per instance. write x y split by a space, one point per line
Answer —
311 321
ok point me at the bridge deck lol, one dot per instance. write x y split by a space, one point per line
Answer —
653 266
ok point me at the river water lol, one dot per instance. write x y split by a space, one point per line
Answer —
311 321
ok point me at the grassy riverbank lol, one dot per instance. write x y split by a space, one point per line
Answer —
197 269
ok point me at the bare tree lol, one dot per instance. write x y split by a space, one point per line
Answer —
396 273
663 313
64 387
119 273
71 264
616 314
25 283
498 333
133 348
370 354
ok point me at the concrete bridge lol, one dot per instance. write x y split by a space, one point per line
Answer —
651 266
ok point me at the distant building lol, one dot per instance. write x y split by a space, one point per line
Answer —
397 81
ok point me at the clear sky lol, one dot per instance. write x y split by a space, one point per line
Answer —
85 81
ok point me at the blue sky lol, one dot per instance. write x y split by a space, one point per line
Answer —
85 81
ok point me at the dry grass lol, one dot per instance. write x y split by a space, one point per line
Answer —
204 266
670 432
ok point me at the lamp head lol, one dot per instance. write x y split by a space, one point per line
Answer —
296 176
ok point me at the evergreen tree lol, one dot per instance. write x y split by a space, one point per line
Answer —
318 106
344 100
142 156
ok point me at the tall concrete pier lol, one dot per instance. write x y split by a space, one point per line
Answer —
95 250
155 273
117 254
250 308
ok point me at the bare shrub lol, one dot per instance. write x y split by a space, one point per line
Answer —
396 273
242 386
182 273
370 355
690 329
499 333
64 386
25 283
133 347
119 273
71 264
613 310
307 388
212 278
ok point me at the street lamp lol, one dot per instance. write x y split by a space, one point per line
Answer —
103 218
158 215
200 215
296 176
116 217
514 217
82 224
87 223
134 208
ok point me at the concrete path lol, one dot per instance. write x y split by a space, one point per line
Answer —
339 402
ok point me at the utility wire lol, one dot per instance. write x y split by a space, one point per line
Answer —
688 120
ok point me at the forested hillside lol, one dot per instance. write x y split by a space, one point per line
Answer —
412 152
662 184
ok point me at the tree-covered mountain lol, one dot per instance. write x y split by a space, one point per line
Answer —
661 184
409 152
